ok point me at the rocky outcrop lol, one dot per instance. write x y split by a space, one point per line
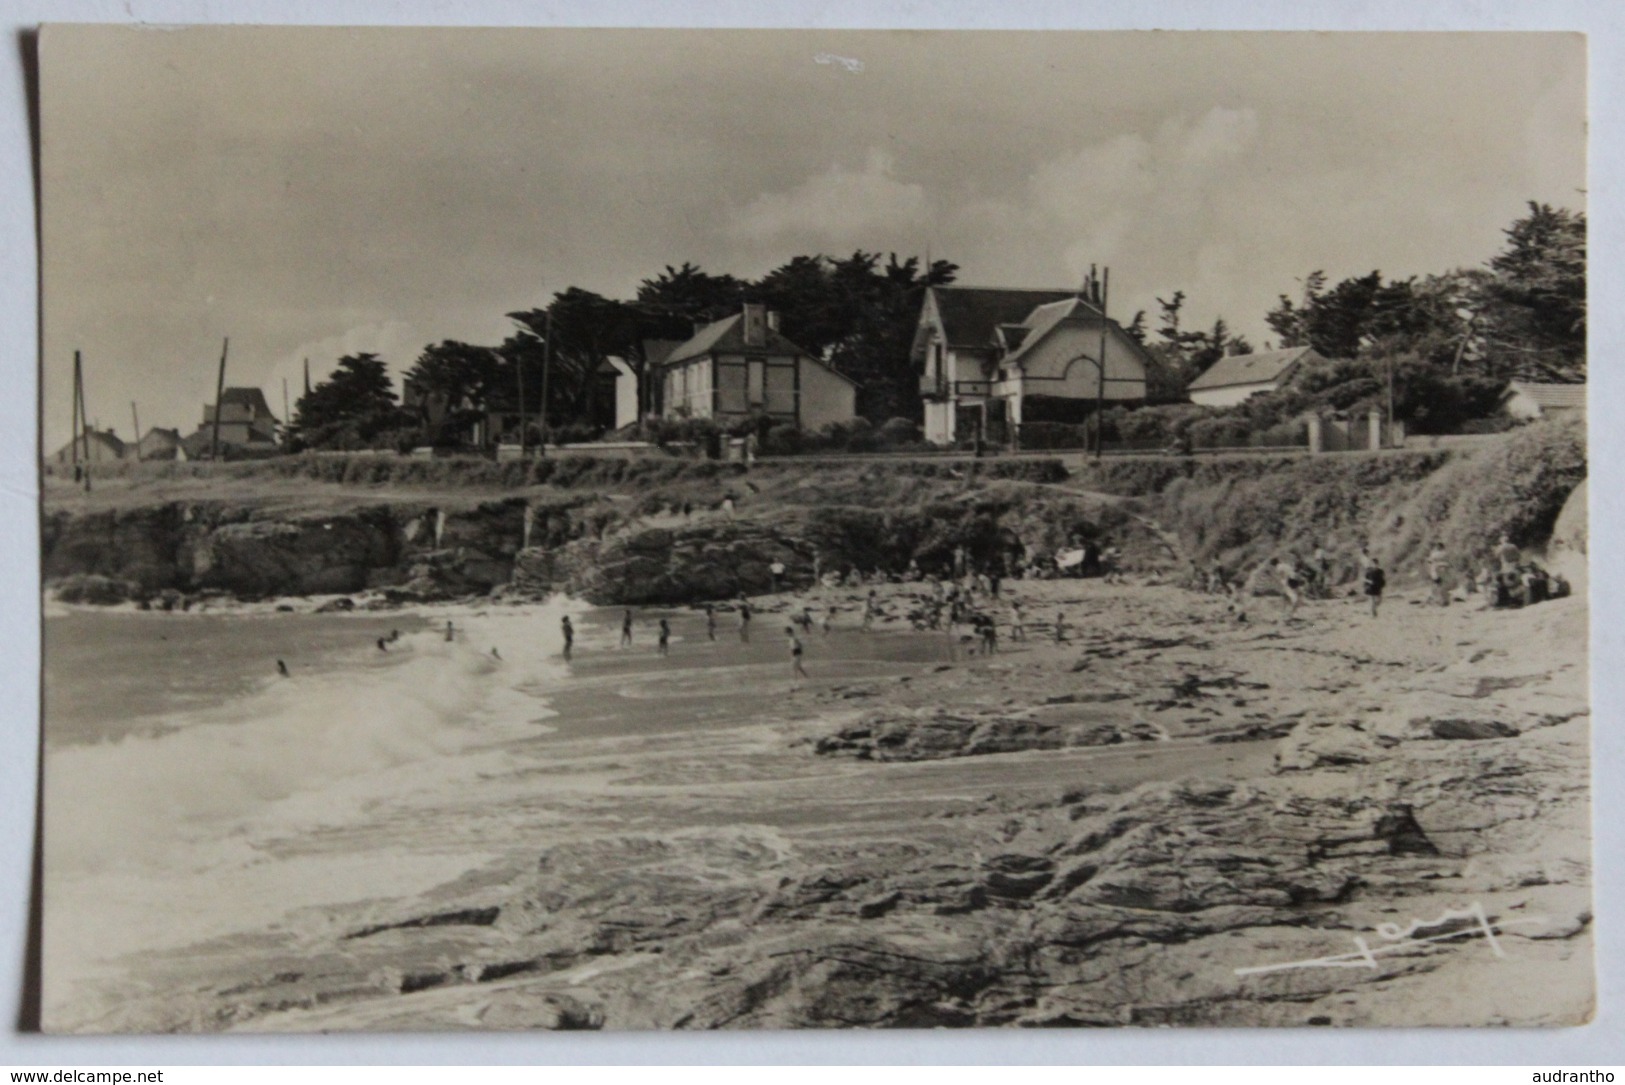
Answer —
140 545
416 552
712 559
932 734
1566 552
304 556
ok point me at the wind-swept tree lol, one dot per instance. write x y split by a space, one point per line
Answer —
353 408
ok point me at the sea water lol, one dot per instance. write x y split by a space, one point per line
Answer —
180 764
194 793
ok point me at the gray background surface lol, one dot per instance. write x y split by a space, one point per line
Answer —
1601 1043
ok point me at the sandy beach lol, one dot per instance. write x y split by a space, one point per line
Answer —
1169 818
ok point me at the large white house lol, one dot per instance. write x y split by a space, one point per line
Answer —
1236 377
991 360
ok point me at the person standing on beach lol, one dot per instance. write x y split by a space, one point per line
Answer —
1508 555
569 636
1060 627
626 630
1323 570
828 619
282 668
869 607
665 636
710 622
728 506
796 669
1375 580
776 570
744 622
1018 623
449 632
1437 560
1286 574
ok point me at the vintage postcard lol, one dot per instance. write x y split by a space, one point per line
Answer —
693 529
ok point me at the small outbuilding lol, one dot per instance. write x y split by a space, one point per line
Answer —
160 444
1528 400
96 446
1237 377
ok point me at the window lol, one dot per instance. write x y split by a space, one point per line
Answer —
756 381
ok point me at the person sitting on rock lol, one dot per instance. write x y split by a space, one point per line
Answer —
1536 588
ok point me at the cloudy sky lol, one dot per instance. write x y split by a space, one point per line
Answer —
313 192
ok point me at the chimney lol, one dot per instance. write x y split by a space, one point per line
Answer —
772 321
755 325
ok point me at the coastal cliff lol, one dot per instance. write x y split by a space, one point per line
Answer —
667 539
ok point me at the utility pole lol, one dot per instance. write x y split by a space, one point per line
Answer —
219 393
135 419
84 425
1387 436
519 374
1102 286
73 444
547 365
287 415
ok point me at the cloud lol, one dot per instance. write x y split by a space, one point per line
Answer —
395 341
839 204
1105 200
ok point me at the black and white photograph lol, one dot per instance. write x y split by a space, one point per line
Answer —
759 529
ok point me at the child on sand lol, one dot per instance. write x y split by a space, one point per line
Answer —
1374 580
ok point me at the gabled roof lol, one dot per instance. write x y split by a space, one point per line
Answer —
1549 396
1267 365
106 438
971 315
1044 318
159 434
252 398
656 351
728 336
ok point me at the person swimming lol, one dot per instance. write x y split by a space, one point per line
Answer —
282 669
449 632
495 654
665 636
383 644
